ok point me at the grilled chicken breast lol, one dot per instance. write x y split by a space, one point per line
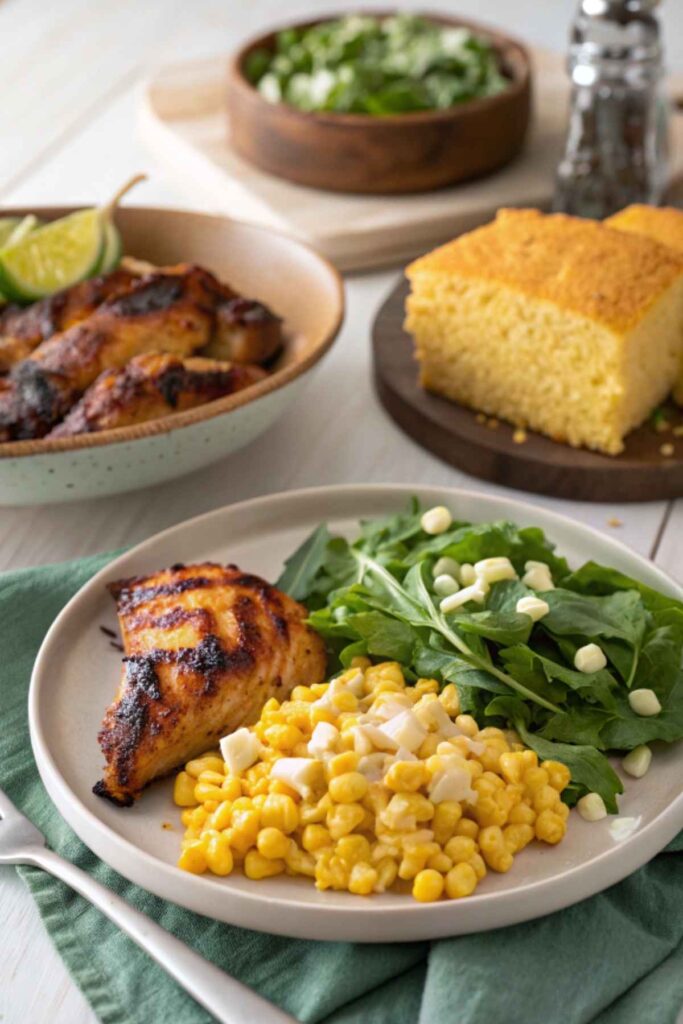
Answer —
23 329
246 332
151 386
206 645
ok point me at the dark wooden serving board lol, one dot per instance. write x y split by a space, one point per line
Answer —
453 432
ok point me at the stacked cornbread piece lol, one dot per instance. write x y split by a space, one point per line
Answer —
564 325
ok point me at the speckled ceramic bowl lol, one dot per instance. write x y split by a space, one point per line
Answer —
300 286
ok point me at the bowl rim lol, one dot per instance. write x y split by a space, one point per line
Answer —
501 41
210 410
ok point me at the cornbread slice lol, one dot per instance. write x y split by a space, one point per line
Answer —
552 322
664 224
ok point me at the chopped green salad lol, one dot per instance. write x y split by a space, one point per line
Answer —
378 66
593 667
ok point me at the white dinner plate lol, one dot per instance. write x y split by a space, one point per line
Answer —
77 673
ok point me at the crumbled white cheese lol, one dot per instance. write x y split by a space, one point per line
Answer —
323 740
476 592
537 576
589 658
492 570
240 750
534 607
301 773
405 730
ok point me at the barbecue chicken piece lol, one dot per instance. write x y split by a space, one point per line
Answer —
22 329
152 386
246 332
206 645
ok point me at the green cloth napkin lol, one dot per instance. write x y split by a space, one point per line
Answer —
615 959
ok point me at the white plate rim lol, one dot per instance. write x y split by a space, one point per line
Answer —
425 921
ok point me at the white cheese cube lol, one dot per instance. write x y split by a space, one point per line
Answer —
492 570
433 715
378 739
589 658
323 740
644 702
240 750
534 607
637 762
404 730
452 784
301 773
537 576
436 520
591 807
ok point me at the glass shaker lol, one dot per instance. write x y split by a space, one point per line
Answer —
616 148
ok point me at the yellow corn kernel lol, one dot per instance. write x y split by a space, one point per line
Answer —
460 848
207 791
522 814
208 762
283 737
362 879
272 704
376 798
260 788
257 866
414 860
492 753
466 827
279 811
231 788
315 837
517 837
475 768
406 776
222 816
491 732
488 812
343 763
219 855
385 670
198 816
278 786
419 805
546 798
344 701
186 818
353 849
515 793
493 849
319 689
440 862
550 827
447 814
428 746
183 790
310 814
535 778
428 886
245 828
559 775
272 843
298 862
423 686
476 862
561 810
343 818
361 662
213 778
303 693
467 725
349 787
460 881
450 699
322 715
300 750
387 870
193 858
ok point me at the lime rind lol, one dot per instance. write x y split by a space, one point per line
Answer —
25 226
112 250
53 257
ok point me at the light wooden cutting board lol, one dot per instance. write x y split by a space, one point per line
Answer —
183 122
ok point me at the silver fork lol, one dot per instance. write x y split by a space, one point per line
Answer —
227 999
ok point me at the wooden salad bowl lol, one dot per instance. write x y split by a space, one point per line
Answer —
412 152
298 284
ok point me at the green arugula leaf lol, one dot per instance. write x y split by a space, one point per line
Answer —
302 567
385 637
596 579
620 615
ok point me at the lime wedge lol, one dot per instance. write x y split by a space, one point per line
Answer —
53 257
113 249
8 225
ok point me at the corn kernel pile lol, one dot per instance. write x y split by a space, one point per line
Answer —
365 783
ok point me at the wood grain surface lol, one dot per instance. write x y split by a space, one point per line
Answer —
72 80
486 449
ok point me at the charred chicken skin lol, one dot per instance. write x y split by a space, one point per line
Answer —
152 386
23 329
205 646
177 311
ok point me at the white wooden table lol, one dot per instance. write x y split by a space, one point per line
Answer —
70 77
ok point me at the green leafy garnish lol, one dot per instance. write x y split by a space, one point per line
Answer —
377 66
375 597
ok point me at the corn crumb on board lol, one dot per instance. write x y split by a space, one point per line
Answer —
650 468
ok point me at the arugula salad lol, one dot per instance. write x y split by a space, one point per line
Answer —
378 66
382 595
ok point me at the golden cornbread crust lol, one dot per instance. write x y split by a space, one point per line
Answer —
609 276
662 223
